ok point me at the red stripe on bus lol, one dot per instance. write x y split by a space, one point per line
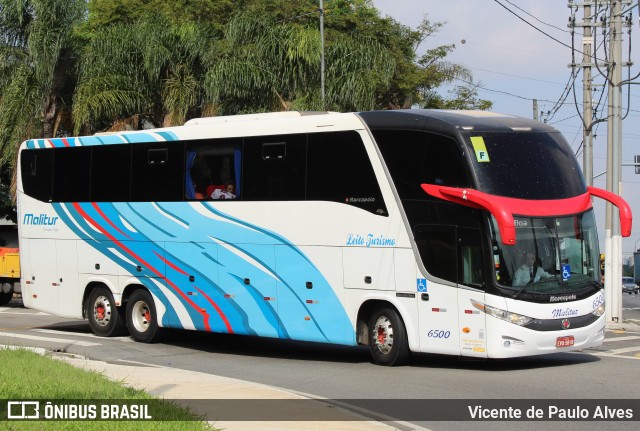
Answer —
218 309
99 210
171 264
145 264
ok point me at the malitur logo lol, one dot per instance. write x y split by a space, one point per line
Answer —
567 312
39 220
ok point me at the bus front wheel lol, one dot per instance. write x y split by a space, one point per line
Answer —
104 317
142 319
388 338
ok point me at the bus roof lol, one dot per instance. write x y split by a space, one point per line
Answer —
450 121
439 121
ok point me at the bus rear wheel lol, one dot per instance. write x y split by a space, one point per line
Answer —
104 317
5 297
388 338
142 319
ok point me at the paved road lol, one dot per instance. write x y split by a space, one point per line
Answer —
335 372
631 307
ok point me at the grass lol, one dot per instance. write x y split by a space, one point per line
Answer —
25 375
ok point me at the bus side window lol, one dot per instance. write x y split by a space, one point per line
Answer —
414 158
437 247
157 172
339 170
72 182
452 253
111 173
274 168
37 173
470 258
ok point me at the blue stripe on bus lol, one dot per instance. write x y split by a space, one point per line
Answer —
115 138
110 139
102 244
147 220
218 270
139 137
88 141
168 136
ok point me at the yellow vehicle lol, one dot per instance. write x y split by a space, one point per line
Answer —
9 273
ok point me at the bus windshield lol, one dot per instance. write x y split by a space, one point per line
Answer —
554 255
525 165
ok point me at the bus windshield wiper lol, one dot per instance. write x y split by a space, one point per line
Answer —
515 295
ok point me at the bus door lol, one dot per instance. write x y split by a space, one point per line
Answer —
438 296
449 323
471 288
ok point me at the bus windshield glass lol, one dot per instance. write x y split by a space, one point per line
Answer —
525 165
553 255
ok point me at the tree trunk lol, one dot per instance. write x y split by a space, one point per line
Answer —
49 115
408 102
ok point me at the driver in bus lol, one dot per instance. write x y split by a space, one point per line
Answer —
530 272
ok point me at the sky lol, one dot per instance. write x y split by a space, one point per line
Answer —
515 64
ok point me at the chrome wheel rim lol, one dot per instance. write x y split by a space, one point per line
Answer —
141 316
102 310
383 335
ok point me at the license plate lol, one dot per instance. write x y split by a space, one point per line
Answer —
565 341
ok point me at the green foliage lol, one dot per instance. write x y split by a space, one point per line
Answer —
36 70
463 97
276 66
7 207
412 78
115 61
151 67
210 13
27 375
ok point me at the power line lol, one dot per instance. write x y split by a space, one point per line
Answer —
516 76
536 18
481 87
533 26
538 29
563 97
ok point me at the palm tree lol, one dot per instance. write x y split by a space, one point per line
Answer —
37 51
149 68
276 66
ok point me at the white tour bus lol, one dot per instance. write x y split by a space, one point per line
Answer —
461 233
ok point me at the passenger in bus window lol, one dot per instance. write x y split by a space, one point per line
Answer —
530 272
198 194
228 192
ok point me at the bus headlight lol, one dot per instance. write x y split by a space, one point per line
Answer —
599 311
516 319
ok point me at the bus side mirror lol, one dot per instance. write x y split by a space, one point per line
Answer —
626 217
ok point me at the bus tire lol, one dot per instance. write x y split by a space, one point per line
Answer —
5 297
105 319
142 319
388 338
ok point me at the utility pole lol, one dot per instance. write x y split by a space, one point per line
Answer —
587 104
613 239
587 25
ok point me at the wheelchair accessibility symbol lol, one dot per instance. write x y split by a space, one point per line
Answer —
422 284
566 272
